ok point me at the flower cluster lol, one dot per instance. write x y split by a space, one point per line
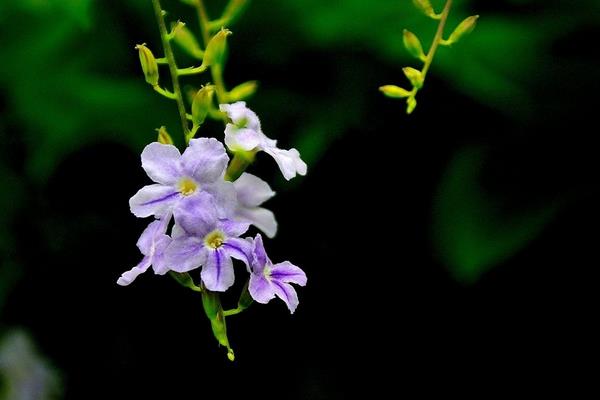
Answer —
200 216
203 203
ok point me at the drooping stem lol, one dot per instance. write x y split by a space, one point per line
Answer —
437 39
172 66
216 71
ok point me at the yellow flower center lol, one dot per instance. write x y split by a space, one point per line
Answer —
187 186
215 239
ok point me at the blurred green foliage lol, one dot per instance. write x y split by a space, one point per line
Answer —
472 231
69 77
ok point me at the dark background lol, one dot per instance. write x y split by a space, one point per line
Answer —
450 251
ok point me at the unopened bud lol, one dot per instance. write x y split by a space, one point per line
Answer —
216 48
242 91
426 8
233 10
413 45
394 91
201 104
185 39
414 76
464 28
149 65
165 138
411 104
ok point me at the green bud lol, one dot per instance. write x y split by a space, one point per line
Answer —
216 48
214 311
201 104
245 298
242 91
185 39
394 91
149 65
233 10
411 104
413 45
165 138
426 8
414 76
464 28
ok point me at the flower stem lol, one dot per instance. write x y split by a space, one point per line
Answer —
216 71
437 39
241 160
164 36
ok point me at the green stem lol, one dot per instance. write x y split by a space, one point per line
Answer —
172 65
204 22
437 39
185 280
241 160
164 92
216 71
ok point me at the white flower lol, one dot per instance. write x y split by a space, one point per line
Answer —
244 133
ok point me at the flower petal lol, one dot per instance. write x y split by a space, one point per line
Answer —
184 254
260 288
241 115
162 163
161 242
251 190
205 160
286 292
289 161
197 214
259 255
129 276
146 241
240 249
225 198
233 228
241 139
261 218
154 200
217 273
288 272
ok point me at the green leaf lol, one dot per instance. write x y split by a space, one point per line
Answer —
471 233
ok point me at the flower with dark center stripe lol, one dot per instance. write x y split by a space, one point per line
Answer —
200 169
202 239
268 280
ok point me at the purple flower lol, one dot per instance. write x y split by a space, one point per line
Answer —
202 239
152 244
244 133
268 280
251 193
199 169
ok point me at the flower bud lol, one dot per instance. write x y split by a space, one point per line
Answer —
233 10
242 91
201 104
149 65
245 298
185 39
394 91
426 8
216 48
464 28
214 311
411 104
165 138
413 45
414 76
